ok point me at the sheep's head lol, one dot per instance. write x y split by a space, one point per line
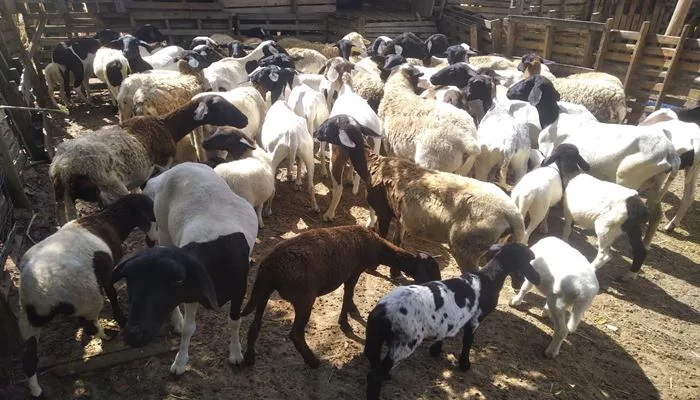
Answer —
454 75
158 279
281 60
481 87
515 260
149 34
357 41
237 49
424 268
568 160
273 79
106 36
534 89
215 110
344 130
232 140
392 63
135 208
377 46
531 64
436 44
202 40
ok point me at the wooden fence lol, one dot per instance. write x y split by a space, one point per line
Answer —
495 9
630 14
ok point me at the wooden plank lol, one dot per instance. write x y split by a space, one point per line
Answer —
673 67
474 36
135 5
560 23
637 54
496 35
588 49
603 47
548 41
510 37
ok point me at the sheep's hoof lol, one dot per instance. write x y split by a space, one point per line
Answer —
345 327
249 358
297 186
549 353
313 362
316 208
176 371
327 217
464 365
110 334
236 359
436 349
670 227
628 277
515 302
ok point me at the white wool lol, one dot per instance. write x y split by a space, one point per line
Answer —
537 192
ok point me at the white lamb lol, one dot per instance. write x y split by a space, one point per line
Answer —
537 192
567 280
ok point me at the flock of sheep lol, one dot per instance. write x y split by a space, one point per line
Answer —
203 131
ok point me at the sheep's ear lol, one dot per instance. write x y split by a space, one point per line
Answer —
193 62
369 132
247 143
201 111
120 271
117 44
535 95
428 45
551 159
332 74
522 66
531 274
198 275
345 139
274 76
398 49
582 163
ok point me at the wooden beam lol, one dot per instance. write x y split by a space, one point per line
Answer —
474 36
12 180
673 67
510 37
497 36
588 48
678 17
559 23
548 42
637 54
603 47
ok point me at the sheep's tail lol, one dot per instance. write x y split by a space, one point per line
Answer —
517 225
378 330
262 290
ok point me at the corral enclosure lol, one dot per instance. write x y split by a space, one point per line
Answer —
638 341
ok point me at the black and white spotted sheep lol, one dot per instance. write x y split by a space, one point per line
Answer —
408 315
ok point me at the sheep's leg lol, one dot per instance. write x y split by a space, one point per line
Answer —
178 366
577 312
337 167
290 167
240 281
258 211
691 180
503 171
30 359
196 139
557 310
654 198
92 327
372 219
177 319
308 159
436 348
268 205
321 154
606 238
639 252
398 240
302 313
537 215
467 340
254 329
566 230
466 168
349 306
355 183
375 377
544 226
518 298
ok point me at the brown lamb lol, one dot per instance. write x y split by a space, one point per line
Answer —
317 262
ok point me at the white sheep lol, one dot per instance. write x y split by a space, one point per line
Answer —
229 73
111 67
436 310
537 192
250 175
567 280
607 207
206 235
165 58
68 272
504 135
685 137
307 61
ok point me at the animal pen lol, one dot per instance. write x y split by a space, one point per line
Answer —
626 38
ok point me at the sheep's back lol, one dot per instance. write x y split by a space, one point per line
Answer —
248 178
605 100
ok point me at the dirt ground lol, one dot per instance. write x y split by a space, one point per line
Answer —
638 341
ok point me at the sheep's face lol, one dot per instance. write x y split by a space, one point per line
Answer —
232 140
202 40
453 75
149 34
378 45
426 269
215 110
481 87
533 90
281 60
158 279
436 44
272 78
515 260
238 49
107 35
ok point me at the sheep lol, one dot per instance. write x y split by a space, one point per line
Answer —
315 263
376 48
608 207
206 235
76 56
434 135
229 73
466 213
408 315
106 164
307 61
117 59
685 137
149 34
436 44
478 85
67 273
250 175
366 81
537 192
597 76
54 75
605 98
284 134
459 53
504 135
567 281
492 62
166 58
341 48
408 45
635 157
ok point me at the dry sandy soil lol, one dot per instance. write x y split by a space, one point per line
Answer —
638 341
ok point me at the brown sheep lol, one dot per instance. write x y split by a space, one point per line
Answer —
315 263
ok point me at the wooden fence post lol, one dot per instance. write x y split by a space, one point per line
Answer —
474 36
637 54
678 17
588 48
603 47
496 35
510 37
548 41
672 68
14 184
